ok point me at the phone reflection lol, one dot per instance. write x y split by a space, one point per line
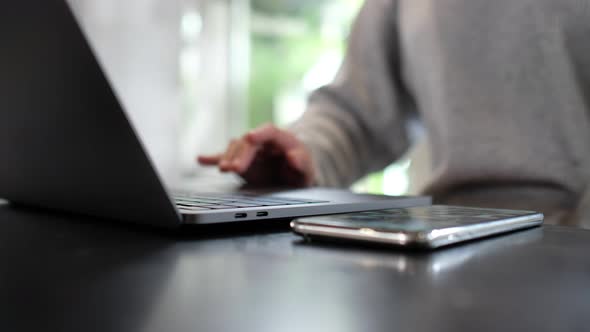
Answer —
410 261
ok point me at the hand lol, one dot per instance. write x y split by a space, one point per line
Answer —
266 156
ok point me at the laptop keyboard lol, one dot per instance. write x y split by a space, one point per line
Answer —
203 202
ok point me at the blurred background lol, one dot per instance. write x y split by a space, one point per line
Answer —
192 74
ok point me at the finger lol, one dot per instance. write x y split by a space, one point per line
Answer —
299 160
294 160
209 160
244 156
271 134
226 160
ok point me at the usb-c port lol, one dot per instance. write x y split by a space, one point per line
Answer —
241 215
262 214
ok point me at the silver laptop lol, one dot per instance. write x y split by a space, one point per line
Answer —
66 143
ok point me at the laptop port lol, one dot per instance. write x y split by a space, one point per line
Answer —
262 214
241 215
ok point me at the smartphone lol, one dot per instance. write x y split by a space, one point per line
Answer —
425 227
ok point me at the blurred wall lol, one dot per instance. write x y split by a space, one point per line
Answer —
180 68
138 43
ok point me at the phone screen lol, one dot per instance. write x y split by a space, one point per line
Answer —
416 219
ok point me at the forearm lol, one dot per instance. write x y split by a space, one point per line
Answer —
357 124
343 146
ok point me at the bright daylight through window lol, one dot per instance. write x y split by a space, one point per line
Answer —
194 73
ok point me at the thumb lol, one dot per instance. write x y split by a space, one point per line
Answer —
300 160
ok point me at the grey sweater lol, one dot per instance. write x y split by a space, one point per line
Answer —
502 87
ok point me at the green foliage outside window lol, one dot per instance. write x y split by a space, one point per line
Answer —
286 47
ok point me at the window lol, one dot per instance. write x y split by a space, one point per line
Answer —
194 73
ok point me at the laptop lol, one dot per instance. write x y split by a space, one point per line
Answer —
66 143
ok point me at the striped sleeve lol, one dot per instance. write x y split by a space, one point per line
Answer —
357 124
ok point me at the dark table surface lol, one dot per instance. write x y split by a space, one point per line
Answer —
68 273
